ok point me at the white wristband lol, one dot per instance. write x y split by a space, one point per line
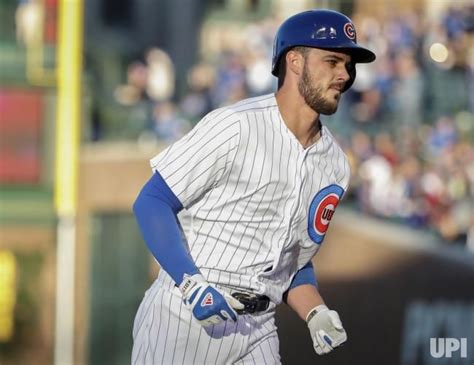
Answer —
189 282
316 310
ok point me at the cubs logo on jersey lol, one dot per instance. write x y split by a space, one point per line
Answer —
321 211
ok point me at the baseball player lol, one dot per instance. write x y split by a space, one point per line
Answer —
261 180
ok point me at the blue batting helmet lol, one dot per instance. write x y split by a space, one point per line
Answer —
325 29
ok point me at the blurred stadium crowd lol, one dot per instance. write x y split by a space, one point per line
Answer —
407 124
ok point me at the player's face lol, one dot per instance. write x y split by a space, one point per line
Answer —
323 79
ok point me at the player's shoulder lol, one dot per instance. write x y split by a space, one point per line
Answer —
333 142
258 103
233 114
339 158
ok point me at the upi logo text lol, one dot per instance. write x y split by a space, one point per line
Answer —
445 347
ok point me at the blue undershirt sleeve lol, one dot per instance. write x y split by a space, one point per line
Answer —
305 275
156 209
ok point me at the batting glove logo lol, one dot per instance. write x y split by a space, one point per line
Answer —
208 300
207 304
321 211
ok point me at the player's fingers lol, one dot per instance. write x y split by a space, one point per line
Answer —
327 340
205 322
324 341
317 348
339 339
326 349
335 320
319 342
234 303
213 320
229 314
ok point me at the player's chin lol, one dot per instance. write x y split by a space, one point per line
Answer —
329 107
335 94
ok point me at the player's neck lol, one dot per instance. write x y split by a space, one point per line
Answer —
300 119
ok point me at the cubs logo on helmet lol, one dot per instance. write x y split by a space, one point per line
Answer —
349 30
321 211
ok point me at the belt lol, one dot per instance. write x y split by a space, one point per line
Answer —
253 303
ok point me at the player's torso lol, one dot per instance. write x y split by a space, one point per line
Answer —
268 215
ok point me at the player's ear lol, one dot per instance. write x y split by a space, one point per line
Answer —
295 61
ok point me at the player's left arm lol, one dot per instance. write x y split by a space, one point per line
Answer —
324 325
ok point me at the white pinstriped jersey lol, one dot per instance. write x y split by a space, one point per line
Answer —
260 203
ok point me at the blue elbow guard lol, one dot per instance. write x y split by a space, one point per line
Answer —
156 209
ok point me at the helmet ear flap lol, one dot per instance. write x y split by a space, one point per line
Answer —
351 70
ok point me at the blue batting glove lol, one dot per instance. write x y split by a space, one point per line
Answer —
207 304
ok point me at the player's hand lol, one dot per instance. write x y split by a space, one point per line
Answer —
208 305
326 329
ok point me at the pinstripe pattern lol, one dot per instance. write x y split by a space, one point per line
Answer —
247 184
176 338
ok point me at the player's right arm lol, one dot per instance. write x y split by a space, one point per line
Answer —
156 209
182 175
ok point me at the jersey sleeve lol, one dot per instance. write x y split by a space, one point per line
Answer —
201 159
343 174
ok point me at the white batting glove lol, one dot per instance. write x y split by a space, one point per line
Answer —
326 329
208 305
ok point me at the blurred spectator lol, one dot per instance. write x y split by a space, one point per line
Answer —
135 89
161 79
376 175
441 137
454 23
408 90
230 80
28 19
168 125
259 80
385 147
198 101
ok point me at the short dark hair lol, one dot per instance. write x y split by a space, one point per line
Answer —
282 63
